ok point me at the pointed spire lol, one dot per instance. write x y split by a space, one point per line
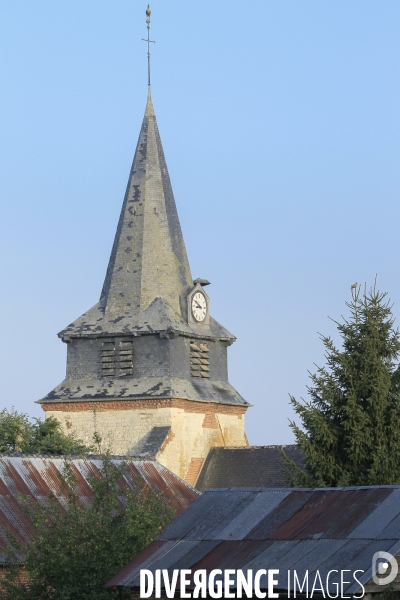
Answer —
149 112
148 276
148 258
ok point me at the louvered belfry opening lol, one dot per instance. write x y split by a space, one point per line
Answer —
108 359
199 359
125 359
117 359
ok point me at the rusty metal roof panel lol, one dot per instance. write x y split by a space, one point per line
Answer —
355 511
199 555
274 554
230 554
13 520
351 509
153 473
13 481
39 476
289 505
379 519
314 519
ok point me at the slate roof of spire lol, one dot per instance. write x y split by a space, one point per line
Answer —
148 275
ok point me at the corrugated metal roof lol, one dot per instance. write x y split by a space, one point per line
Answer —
377 521
38 476
314 519
301 529
260 506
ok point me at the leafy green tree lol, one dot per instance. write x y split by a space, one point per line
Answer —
19 434
75 553
47 437
15 430
350 431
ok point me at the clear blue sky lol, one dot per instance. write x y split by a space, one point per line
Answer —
281 126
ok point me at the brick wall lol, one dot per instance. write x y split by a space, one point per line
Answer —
22 574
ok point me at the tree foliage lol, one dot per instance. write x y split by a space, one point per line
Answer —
19 434
75 553
350 432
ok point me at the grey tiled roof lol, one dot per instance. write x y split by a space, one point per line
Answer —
151 443
201 390
158 317
254 466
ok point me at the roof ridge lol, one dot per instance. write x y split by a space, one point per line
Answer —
74 456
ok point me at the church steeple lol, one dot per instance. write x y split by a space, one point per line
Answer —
148 258
148 277
147 365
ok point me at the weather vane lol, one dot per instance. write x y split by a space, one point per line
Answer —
149 41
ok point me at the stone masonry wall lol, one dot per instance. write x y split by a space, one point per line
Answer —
194 433
120 430
195 428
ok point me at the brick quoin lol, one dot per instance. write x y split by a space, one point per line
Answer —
194 470
210 422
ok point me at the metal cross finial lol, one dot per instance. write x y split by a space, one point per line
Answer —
149 41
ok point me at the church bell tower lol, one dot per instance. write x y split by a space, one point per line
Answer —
147 365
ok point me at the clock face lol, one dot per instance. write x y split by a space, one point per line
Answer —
199 307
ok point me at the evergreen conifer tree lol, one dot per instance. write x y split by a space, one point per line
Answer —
350 432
